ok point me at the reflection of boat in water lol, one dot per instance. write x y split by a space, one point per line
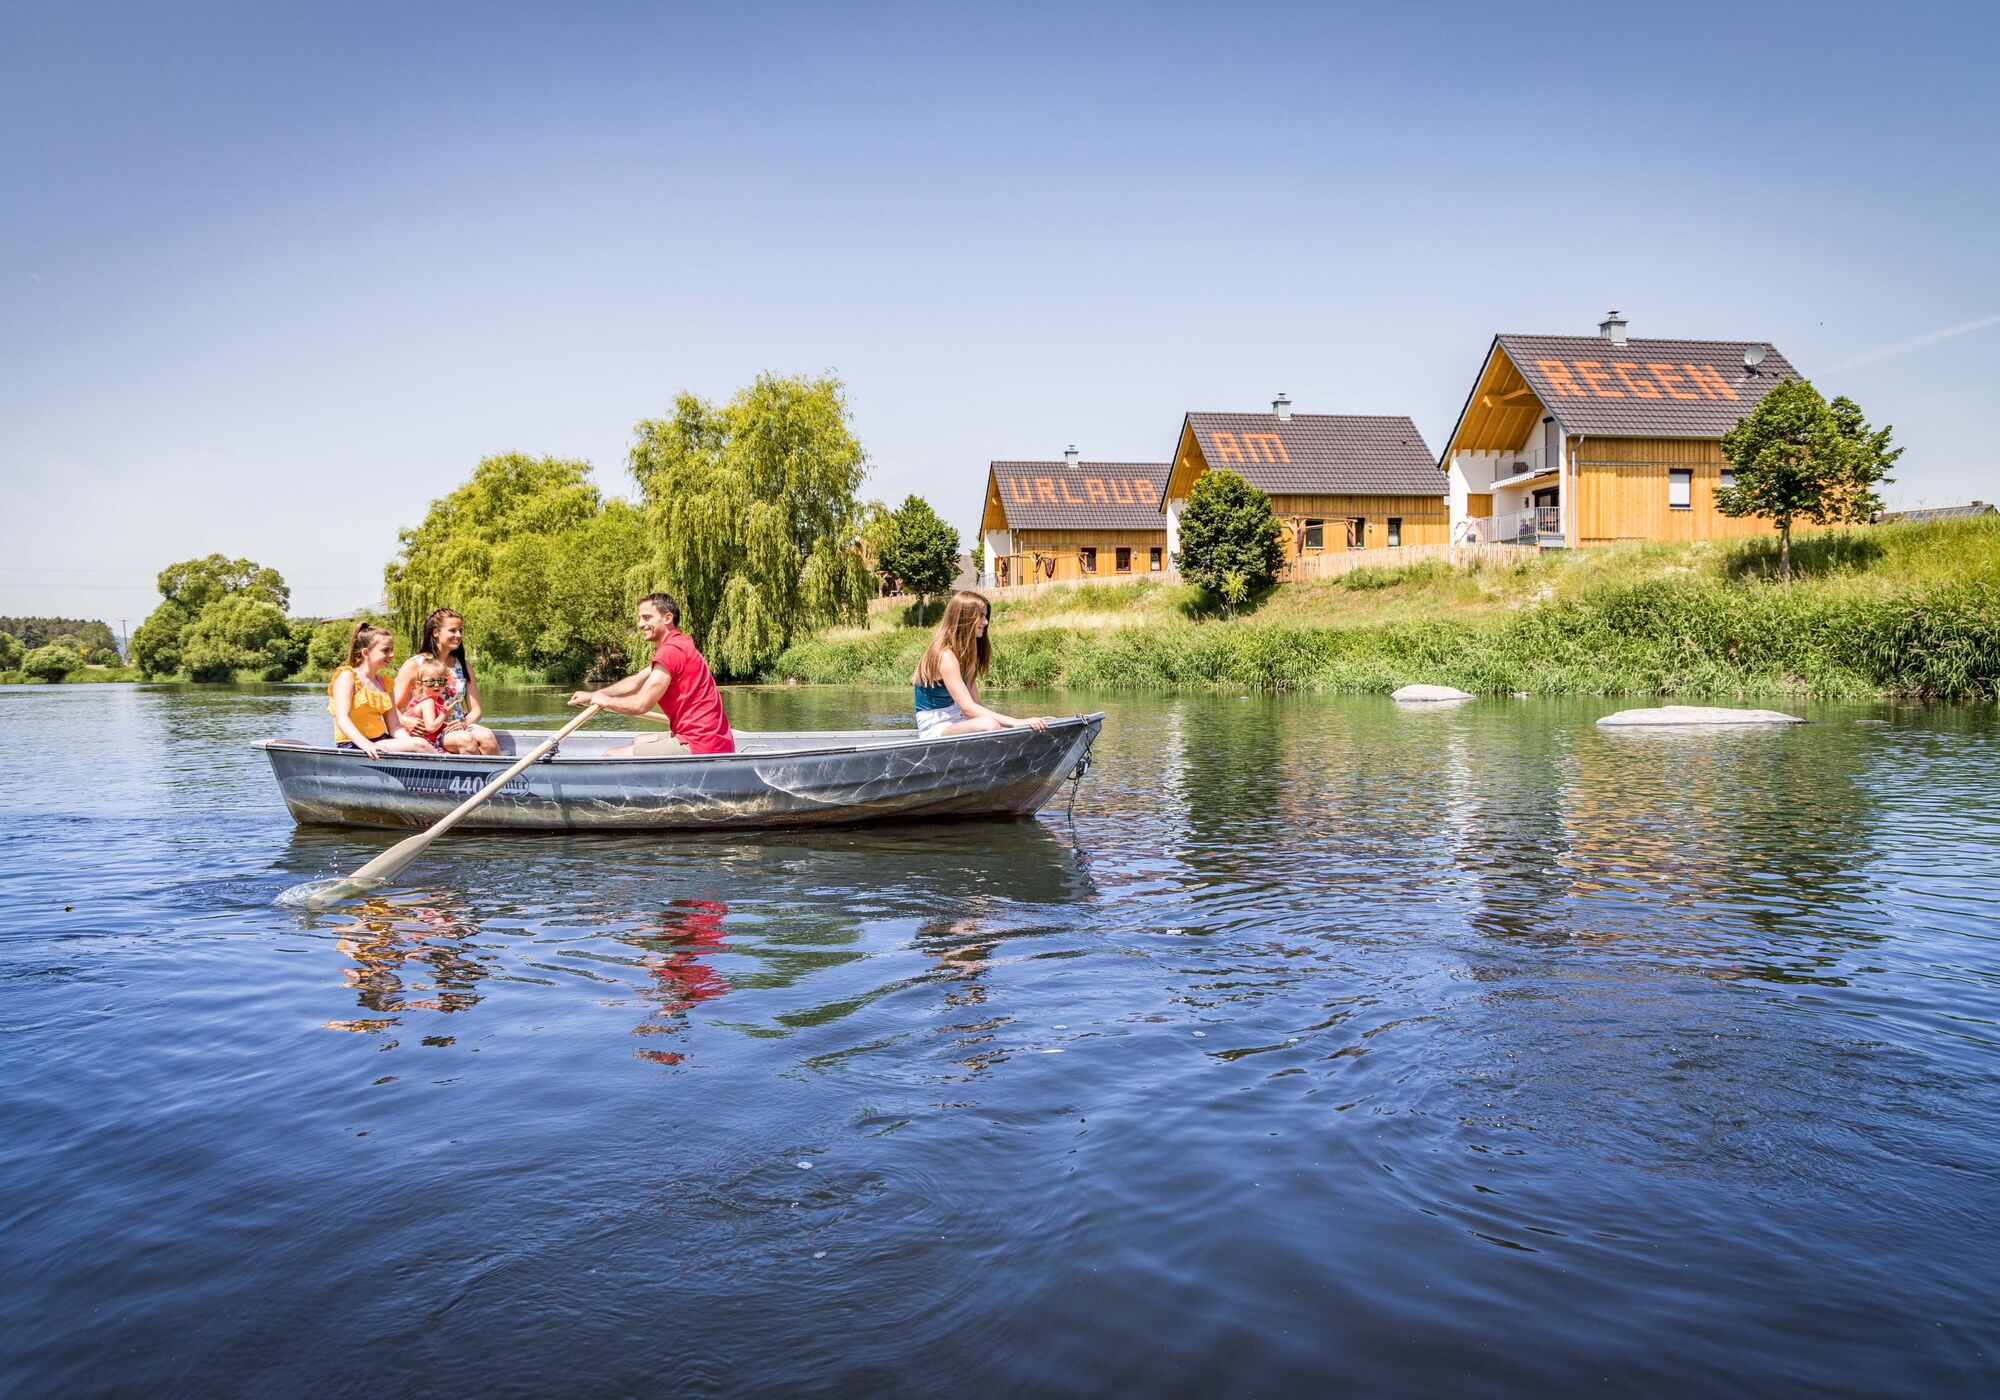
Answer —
773 779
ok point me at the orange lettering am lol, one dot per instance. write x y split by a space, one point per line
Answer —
1265 447
1557 373
1045 487
1665 374
1226 449
1709 382
1639 387
1094 490
1592 373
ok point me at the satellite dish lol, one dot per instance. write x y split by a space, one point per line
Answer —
1753 356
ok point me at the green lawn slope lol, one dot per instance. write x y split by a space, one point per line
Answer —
1883 611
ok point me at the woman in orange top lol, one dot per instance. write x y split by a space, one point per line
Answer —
364 714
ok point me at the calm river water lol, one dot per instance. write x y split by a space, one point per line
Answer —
1328 1048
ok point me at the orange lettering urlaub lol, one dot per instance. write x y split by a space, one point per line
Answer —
1709 382
1665 374
1264 447
1639 387
1094 490
1557 373
1592 373
1226 448
1119 495
1144 493
1045 487
1068 499
1023 494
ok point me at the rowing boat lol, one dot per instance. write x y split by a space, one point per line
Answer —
818 778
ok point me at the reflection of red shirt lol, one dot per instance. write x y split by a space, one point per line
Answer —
691 703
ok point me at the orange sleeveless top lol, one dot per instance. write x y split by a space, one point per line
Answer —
371 705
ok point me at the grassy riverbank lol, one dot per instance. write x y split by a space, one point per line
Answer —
1894 610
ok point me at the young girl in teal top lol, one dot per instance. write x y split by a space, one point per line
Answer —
943 689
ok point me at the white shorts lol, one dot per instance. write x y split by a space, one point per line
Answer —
929 722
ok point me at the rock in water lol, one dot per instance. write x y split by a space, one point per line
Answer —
1708 716
1424 693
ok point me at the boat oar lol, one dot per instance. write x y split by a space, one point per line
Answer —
398 857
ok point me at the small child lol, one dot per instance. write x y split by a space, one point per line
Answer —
429 712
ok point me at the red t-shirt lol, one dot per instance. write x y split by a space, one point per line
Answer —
691 703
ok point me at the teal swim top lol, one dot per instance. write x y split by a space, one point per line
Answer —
935 696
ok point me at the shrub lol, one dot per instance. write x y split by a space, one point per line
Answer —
51 663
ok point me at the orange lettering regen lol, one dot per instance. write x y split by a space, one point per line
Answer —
1557 373
1592 373
1045 487
1265 447
1068 499
1226 449
1709 382
1119 492
1665 374
1639 387
1093 489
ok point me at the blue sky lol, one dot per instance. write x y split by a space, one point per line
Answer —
274 276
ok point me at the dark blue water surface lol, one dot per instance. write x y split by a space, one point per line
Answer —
1329 1048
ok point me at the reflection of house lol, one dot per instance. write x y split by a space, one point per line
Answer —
1053 521
1336 480
1578 440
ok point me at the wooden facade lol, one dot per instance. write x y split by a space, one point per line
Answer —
1361 522
1624 486
1065 556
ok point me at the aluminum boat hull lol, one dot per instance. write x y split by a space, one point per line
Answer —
773 780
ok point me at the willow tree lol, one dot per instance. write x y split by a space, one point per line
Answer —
753 515
447 560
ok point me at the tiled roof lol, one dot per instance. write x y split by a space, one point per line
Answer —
1321 454
1087 496
1645 388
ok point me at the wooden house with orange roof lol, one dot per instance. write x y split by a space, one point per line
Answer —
1336 480
1584 440
1060 522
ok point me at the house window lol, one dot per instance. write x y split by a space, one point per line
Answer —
1087 557
1313 535
1124 561
1154 562
1680 488
1395 532
1357 532
1728 478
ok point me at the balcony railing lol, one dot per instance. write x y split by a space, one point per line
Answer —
1535 525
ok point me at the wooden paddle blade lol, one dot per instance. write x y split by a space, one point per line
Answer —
395 860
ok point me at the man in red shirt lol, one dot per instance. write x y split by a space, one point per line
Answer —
678 681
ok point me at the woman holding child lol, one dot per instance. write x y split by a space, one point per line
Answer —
437 681
945 686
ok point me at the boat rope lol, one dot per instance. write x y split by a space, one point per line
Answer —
1076 777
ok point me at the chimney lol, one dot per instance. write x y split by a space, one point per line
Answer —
1282 406
1070 455
1612 328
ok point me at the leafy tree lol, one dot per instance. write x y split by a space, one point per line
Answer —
11 652
562 603
195 583
327 651
1797 457
51 663
1231 541
753 515
922 550
238 632
445 561
155 647
101 656
298 642
86 635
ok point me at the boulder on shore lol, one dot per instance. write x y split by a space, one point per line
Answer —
1700 716
1425 693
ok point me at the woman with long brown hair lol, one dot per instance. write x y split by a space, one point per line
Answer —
442 638
945 687
364 713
